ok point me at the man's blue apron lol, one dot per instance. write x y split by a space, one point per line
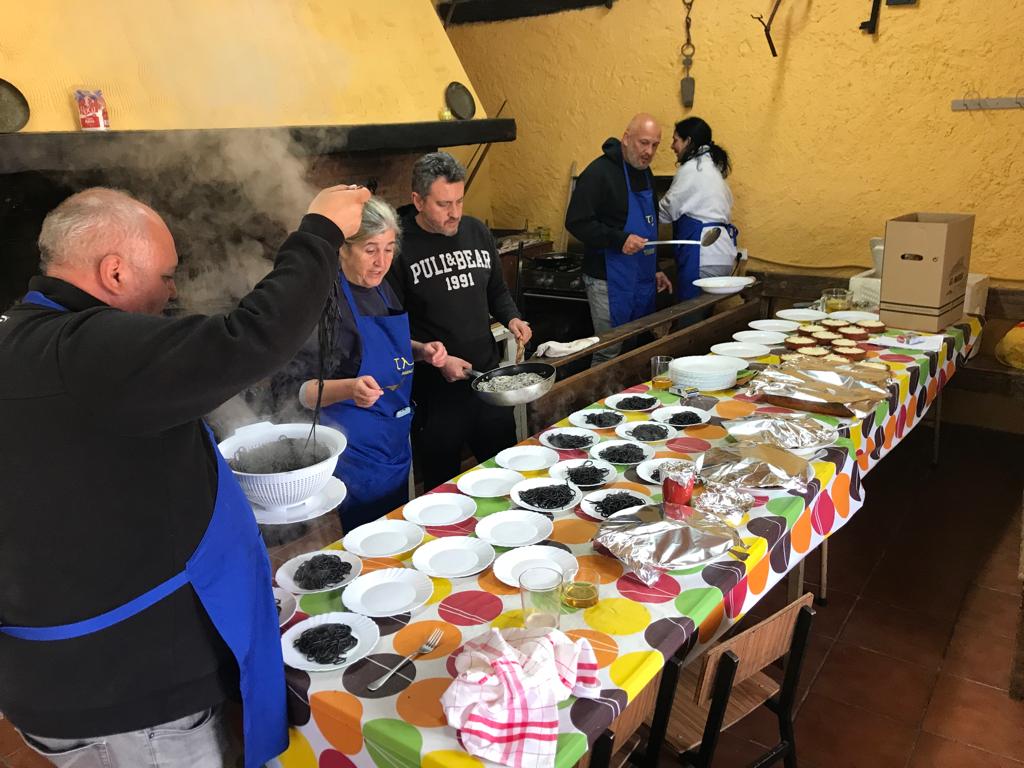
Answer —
375 465
631 284
230 573
688 256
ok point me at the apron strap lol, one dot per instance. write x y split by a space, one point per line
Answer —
35 297
104 620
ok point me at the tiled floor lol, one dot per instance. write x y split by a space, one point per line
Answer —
909 662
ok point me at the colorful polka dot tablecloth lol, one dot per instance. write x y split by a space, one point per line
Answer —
339 722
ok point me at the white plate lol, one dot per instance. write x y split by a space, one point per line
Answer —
329 497
545 437
452 557
365 631
560 470
777 326
539 482
853 316
514 528
288 606
588 508
509 565
388 592
745 350
724 284
488 483
383 538
801 315
625 431
702 366
439 509
285 576
613 400
526 458
645 468
767 338
666 413
579 419
648 450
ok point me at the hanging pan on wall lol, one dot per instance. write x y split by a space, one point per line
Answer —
460 101
14 110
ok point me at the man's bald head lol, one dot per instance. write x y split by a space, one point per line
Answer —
641 140
112 246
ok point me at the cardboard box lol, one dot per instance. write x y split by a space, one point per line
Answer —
924 270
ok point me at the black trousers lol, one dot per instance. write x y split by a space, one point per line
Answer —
449 417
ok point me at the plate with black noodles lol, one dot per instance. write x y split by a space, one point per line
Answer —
624 452
546 494
322 571
600 505
629 402
569 438
329 641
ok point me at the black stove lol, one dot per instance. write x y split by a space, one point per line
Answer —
553 274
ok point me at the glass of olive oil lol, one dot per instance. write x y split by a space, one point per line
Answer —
582 589
661 379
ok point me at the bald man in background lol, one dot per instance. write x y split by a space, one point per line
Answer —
613 212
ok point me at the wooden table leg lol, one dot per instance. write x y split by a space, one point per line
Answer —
795 582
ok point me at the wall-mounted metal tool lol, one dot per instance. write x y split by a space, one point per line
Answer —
687 84
768 26
871 25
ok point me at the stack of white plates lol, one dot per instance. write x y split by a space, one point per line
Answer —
706 372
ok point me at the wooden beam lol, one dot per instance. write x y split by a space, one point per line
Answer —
795 286
633 367
627 331
984 373
467 11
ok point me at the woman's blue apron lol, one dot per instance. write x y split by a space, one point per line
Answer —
230 573
688 256
375 465
631 283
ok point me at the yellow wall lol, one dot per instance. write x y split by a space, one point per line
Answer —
830 139
166 64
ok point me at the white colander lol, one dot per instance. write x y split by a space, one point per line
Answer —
277 491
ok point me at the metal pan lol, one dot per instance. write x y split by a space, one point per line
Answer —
515 396
14 111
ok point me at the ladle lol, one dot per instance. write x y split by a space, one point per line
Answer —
709 237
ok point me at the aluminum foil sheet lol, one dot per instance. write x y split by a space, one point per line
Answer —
848 390
794 431
648 543
726 502
756 466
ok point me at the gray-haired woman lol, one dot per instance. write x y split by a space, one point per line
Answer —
368 380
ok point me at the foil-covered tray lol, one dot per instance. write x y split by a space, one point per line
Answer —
729 503
837 389
755 465
648 543
795 431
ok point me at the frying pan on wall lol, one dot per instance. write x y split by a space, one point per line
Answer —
14 111
460 101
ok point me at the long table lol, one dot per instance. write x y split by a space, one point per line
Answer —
339 722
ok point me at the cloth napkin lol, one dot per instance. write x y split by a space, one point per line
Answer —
563 348
504 698
930 342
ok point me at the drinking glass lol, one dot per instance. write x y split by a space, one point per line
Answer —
836 300
541 591
660 377
582 589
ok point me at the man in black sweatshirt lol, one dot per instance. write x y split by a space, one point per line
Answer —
112 486
448 278
613 213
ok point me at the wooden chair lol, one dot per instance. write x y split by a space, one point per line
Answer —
731 684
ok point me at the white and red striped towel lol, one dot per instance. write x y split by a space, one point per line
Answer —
504 699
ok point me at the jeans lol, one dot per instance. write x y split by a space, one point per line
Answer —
201 740
600 316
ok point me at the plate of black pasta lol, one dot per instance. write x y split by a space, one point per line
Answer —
681 416
624 452
631 403
569 438
600 505
328 641
596 418
286 605
546 494
646 431
584 473
321 571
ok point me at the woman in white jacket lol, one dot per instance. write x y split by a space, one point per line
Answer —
699 198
